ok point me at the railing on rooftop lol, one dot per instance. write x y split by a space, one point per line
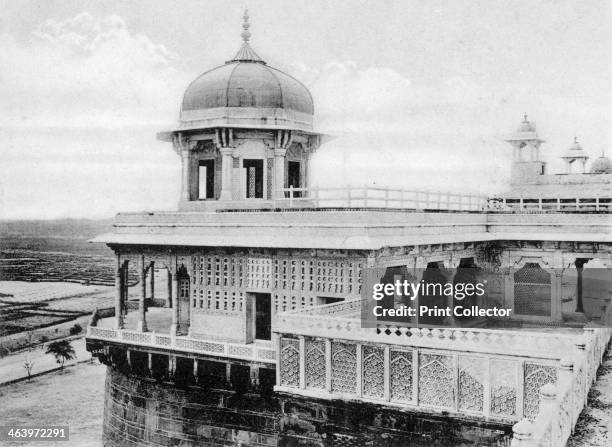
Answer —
369 196
250 352
376 197
343 321
577 204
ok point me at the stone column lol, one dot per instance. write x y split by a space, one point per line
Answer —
226 173
279 172
175 305
196 378
125 282
150 364
579 269
171 365
509 288
118 295
152 285
142 322
254 376
169 288
556 306
185 183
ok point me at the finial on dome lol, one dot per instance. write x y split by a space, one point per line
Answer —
246 53
246 34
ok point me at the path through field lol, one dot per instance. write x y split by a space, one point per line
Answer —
11 366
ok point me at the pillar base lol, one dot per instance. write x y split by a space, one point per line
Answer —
141 326
226 194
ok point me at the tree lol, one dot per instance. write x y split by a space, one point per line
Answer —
76 329
28 364
62 350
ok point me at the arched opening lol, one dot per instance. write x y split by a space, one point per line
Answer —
432 294
394 275
466 275
594 292
532 291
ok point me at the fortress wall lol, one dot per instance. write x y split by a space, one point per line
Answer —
140 411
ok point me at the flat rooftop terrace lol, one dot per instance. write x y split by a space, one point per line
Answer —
369 229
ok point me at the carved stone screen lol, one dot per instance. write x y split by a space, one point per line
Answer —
344 368
373 371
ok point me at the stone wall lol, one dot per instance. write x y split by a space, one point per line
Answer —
561 185
218 325
142 411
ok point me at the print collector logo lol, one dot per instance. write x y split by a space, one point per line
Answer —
422 299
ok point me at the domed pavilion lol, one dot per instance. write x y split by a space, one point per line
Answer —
603 165
245 134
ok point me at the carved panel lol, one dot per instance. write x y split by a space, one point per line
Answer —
401 375
290 362
373 371
503 387
259 272
330 278
436 380
344 368
315 364
536 376
471 383
217 282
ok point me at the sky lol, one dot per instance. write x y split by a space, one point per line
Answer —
417 94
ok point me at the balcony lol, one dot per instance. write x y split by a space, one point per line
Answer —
489 374
103 328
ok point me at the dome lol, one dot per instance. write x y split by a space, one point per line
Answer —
603 165
246 92
575 151
526 126
526 131
575 145
246 83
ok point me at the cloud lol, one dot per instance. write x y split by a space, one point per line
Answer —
82 98
391 130
437 135
87 71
